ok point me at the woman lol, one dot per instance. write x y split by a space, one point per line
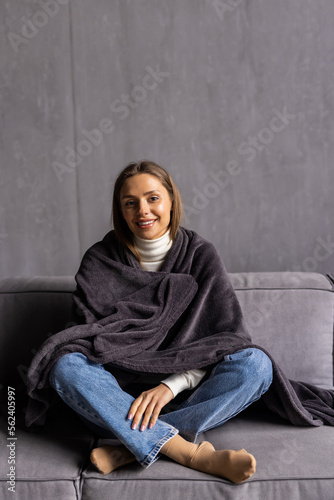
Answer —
122 381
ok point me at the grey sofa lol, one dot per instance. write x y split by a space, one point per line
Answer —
290 314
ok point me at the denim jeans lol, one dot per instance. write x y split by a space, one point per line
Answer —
94 393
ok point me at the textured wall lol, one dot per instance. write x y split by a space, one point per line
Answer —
233 97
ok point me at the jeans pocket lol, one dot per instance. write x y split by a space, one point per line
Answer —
243 353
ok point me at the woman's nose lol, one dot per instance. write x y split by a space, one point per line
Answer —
143 207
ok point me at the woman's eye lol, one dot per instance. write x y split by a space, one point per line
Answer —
130 203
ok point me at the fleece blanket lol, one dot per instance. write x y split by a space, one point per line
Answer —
184 316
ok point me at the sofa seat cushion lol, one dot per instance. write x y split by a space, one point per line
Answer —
48 464
292 463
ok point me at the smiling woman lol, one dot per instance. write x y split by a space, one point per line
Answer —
157 318
146 203
146 206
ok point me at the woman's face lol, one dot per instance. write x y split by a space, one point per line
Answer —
145 200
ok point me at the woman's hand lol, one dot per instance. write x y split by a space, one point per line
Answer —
149 404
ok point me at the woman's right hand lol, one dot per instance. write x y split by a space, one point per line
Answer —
148 406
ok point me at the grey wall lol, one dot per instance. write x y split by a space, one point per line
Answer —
258 186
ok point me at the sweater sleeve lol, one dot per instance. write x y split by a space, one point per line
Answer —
180 381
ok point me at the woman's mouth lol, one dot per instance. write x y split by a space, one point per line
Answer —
146 224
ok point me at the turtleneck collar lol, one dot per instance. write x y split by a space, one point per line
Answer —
153 252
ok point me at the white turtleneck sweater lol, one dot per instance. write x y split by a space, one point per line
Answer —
153 253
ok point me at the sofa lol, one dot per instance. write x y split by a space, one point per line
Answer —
288 313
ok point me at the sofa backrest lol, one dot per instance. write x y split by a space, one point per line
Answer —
31 309
289 314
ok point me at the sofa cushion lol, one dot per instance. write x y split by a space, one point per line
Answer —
291 315
47 464
292 463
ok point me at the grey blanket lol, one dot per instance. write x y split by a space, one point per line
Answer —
183 317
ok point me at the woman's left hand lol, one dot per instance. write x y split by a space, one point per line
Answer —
149 404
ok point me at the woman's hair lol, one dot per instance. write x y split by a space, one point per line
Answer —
123 233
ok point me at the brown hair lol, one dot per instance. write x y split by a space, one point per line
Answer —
123 233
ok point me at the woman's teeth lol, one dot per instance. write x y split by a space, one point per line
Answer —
145 224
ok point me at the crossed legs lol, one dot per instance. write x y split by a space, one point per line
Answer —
236 382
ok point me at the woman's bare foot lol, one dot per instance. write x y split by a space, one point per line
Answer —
107 458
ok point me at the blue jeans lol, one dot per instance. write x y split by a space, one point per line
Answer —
94 393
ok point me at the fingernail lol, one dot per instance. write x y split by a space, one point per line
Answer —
142 427
130 416
134 426
150 426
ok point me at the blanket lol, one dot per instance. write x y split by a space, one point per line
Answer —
182 317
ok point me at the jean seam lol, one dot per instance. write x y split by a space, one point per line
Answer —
186 403
77 405
235 413
213 371
153 455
